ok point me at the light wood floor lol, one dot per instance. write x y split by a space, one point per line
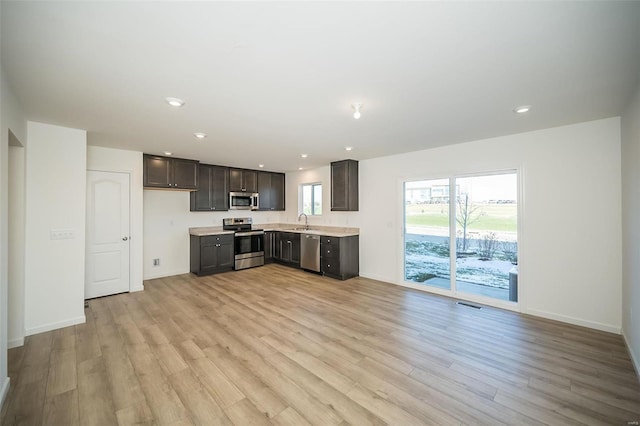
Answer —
274 345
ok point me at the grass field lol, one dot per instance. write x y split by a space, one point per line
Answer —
493 217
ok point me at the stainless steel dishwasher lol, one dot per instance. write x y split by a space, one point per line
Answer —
310 252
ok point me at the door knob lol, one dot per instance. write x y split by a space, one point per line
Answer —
125 238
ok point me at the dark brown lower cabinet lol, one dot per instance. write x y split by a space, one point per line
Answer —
270 247
211 254
340 257
288 248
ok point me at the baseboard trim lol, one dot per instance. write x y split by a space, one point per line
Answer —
56 325
165 274
14 343
135 289
575 321
634 359
543 314
4 391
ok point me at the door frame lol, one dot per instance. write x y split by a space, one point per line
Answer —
130 174
520 305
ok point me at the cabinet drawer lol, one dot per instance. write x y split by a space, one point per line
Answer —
330 251
331 266
215 239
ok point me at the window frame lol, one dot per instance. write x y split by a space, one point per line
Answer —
301 200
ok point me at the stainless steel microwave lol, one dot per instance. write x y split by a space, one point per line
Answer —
243 201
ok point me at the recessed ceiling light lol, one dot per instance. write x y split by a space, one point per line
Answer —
200 135
167 153
304 155
522 109
299 168
261 165
348 148
175 102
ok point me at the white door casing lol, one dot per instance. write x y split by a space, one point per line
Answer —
107 245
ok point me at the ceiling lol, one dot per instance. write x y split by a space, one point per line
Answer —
268 81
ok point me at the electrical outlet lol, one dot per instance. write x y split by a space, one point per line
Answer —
156 262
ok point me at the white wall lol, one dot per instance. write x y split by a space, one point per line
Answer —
11 118
15 321
570 239
631 227
167 220
570 214
55 199
118 160
327 218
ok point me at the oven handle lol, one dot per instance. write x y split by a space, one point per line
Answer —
249 233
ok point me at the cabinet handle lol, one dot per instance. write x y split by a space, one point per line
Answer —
328 266
169 184
328 251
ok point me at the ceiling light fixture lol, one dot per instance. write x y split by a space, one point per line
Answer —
200 135
304 155
522 109
261 165
175 102
356 110
348 148
299 168
167 153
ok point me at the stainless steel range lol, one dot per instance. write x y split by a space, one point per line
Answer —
248 242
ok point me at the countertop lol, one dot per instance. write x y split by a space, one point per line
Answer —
329 231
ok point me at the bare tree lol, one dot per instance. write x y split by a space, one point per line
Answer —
467 214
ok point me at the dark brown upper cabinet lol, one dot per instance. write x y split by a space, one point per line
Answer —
271 190
242 180
213 189
170 173
344 186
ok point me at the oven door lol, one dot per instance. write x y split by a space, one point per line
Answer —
249 243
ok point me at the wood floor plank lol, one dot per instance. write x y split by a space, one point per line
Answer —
62 409
94 397
203 408
165 404
276 345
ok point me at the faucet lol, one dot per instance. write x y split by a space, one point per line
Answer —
306 225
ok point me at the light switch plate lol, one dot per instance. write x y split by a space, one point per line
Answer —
62 234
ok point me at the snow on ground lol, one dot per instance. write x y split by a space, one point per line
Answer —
424 259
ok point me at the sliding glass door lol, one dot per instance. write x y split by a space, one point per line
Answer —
471 235
427 233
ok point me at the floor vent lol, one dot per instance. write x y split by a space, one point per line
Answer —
469 305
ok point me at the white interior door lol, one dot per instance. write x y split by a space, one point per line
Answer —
107 246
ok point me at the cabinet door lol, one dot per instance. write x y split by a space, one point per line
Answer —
295 249
201 197
250 180
235 180
219 188
344 185
264 190
157 172
277 191
284 247
226 257
209 253
185 173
